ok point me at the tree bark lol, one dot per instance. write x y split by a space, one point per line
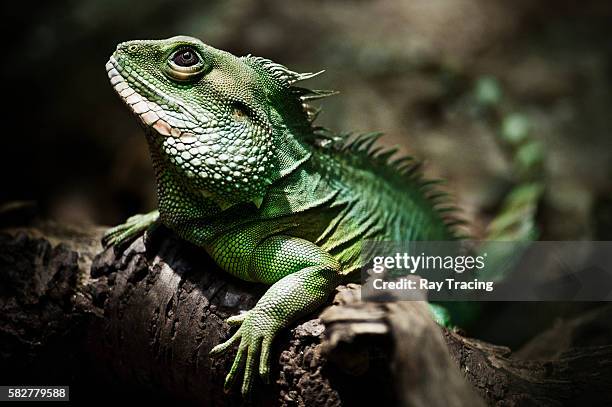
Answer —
139 323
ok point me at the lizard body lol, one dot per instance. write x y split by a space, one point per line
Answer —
242 172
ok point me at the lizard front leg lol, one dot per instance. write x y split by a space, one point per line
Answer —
132 227
302 277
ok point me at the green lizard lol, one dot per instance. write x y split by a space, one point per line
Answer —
242 172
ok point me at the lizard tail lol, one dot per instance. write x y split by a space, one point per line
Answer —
516 218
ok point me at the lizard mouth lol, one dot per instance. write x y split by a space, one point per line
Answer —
151 114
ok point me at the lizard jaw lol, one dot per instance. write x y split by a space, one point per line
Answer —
147 111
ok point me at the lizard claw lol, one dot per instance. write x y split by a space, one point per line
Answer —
255 345
134 226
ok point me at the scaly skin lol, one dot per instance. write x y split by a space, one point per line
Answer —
242 172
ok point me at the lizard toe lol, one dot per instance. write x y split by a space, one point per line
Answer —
231 376
223 347
250 366
264 363
236 320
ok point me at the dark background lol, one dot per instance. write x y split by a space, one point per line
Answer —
406 68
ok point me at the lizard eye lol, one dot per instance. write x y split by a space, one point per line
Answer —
184 64
185 58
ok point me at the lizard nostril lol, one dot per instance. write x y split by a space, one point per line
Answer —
126 47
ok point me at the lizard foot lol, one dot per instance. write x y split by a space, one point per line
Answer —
133 227
440 315
255 334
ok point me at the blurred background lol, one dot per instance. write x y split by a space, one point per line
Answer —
417 70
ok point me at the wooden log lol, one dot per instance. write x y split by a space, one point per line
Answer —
139 323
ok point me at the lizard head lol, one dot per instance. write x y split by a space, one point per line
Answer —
226 125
